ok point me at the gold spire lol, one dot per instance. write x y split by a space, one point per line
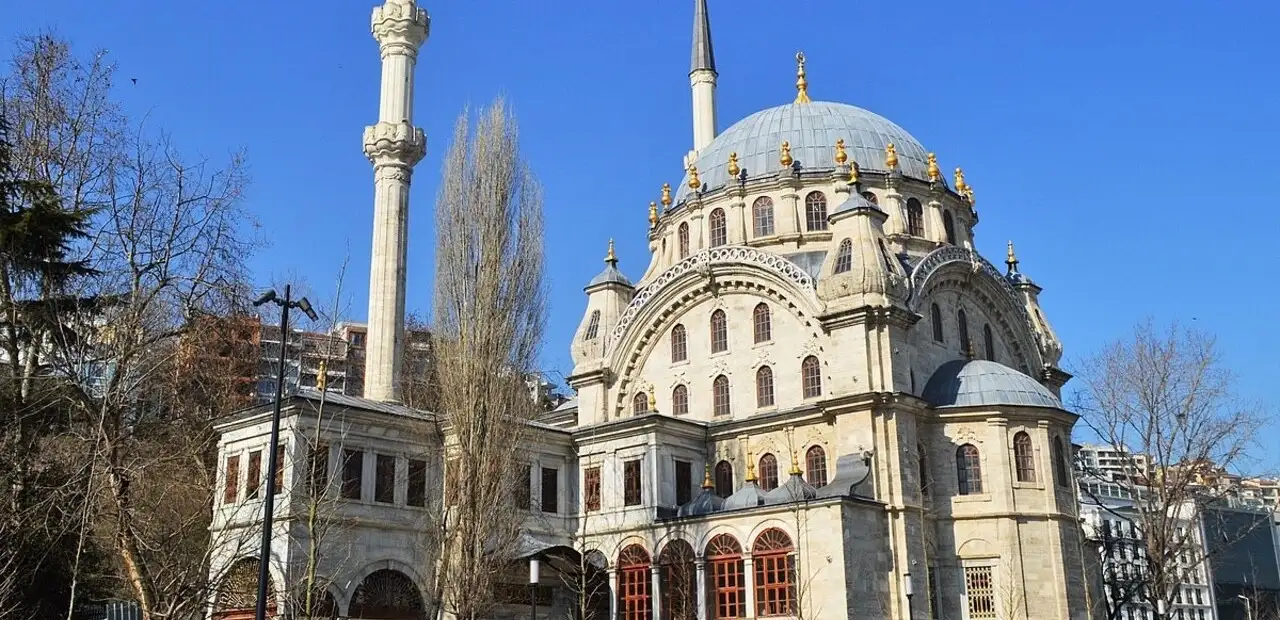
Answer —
968 193
891 156
694 182
707 482
795 465
784 158
1012 259
802 85
751 467
653 215
853 173
960 184
666 196
841 156
935 173
733 165
322 375
611 258
653 401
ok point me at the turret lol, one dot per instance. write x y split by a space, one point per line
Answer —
859 269
1046 339
607 297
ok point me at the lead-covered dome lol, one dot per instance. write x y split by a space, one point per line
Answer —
974 383
812 130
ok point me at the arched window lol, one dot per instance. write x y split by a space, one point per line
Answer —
815 211
969 470
815 465
923 464
679 400
679 344
988 343
593 326
811 377
386 593
915 218
1060 463
763 323
719 231
719 332
634 598
949 226
1024 458
768 472
640 404
720 396
962 326
724 479
682 239
727 581
764 387
775 577
762 216
935 317
844 256
677 581
871 197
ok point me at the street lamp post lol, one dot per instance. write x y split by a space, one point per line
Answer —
909 590
269 503
533 588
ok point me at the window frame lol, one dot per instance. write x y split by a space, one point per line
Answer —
721 407
717 228
682 239
762 224
915 217
811 377
768 471
1024 458
384 481
684 483
726 577
723 473
591 488
253 475
552 475
764 387
939 330
231 480
352 481
719 327
680 400
632 482
679 344
593 327
969 470
416 489
815 466
844 256
815 211
762 323
773 558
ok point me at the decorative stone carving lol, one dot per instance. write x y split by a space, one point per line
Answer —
400 23
394 143
703 261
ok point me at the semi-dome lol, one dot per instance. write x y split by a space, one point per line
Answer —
812 130
975 383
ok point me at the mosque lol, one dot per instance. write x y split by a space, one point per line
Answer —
818 401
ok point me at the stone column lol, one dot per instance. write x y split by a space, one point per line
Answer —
738 218
655 596
749 580
613 593
394 146
701 584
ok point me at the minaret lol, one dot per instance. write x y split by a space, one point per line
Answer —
394 146
702 78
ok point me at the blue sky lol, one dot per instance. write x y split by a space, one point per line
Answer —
1126 147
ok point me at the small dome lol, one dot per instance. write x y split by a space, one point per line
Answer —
795 489
975 383
749 496
812 130
855 201
610 275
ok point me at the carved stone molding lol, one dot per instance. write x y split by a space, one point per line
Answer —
400 24
394 143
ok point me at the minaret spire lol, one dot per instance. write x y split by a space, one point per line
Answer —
394 146
702 78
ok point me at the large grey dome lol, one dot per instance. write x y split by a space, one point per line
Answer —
812 130
974 383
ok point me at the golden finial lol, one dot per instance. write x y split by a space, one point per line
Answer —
968 193
653 400
795 465
935 173
322 376
694 182
653 215
841 156
666 196
751 467
785 157
611 258
802 85
707 482
960 184
1011 259
853 173
733 165
891 156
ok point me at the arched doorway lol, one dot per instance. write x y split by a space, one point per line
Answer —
387 595
237 595
678 577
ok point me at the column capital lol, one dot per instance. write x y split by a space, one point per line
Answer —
400 26
394 144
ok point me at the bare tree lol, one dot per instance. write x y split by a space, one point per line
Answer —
1163 402
489 315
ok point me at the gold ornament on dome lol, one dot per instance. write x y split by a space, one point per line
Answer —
653 215
891 156
653 400
853 173
935 173
960 184
611 258
1011 259
751 467
785 157
968 194
841 155
694 182
666 196
707 482
733 165
802 85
